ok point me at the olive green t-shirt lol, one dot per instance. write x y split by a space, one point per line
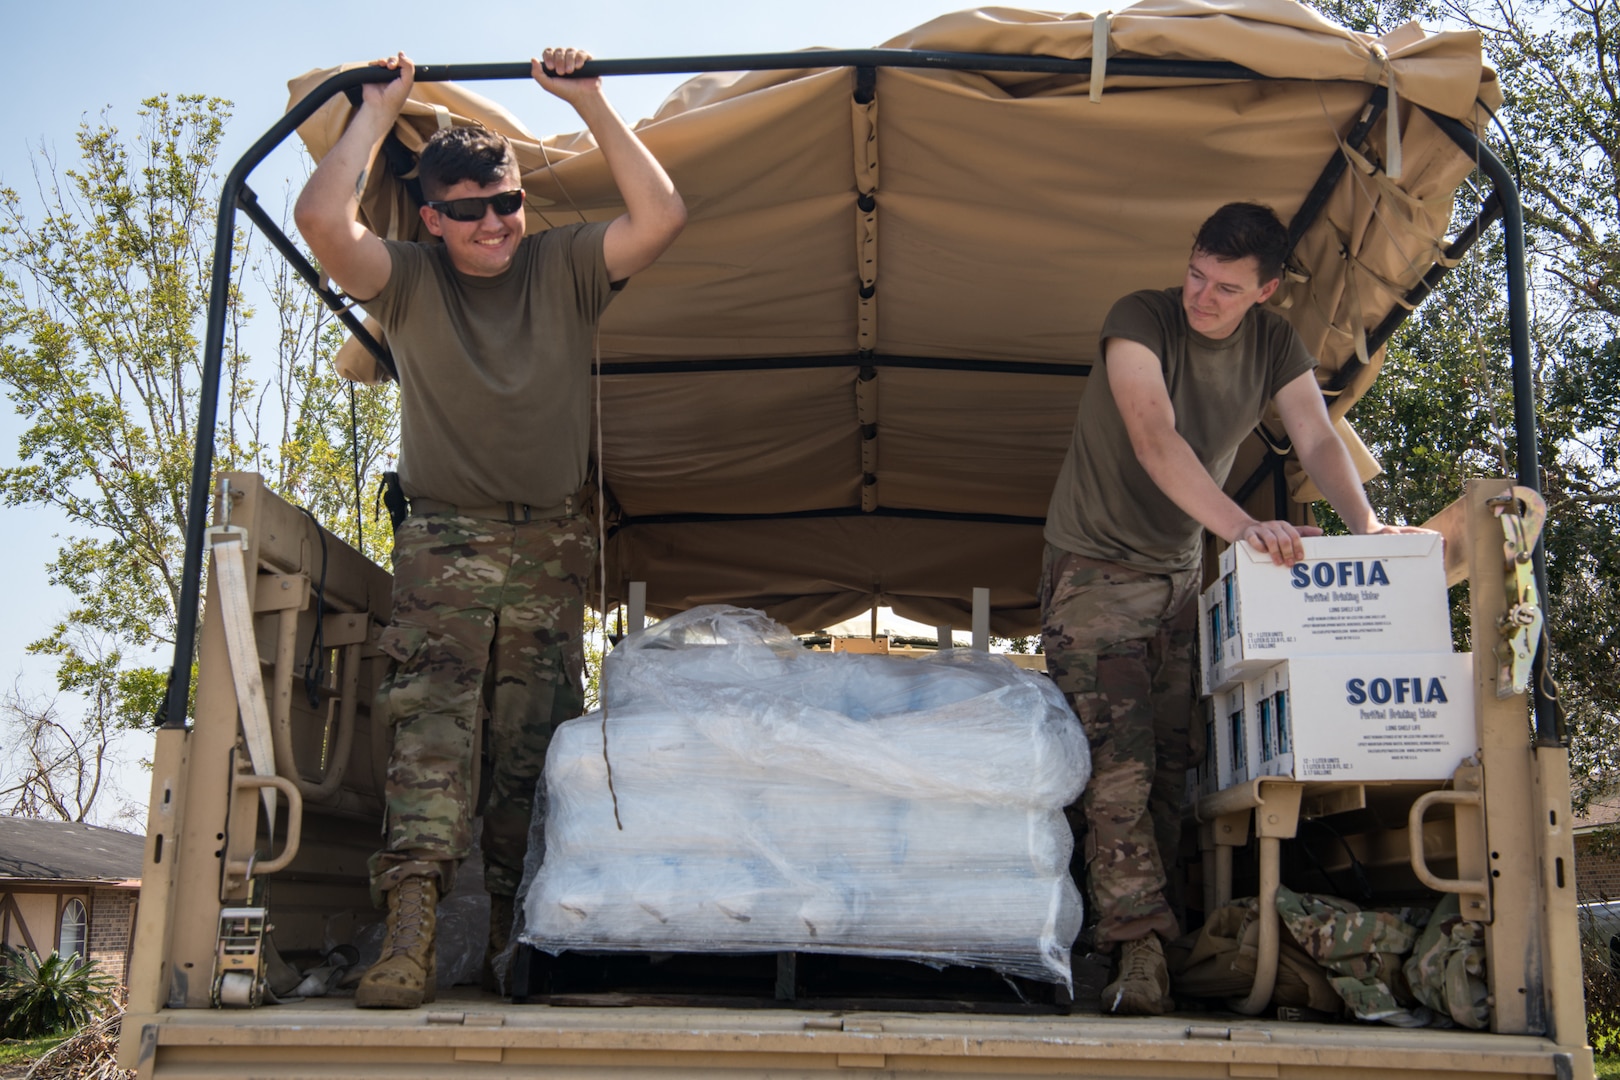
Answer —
1105 506
495 372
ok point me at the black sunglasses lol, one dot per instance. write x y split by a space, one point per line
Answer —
472 208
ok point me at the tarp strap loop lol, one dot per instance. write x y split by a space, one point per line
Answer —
1409 221
229 546
1280 446
1321 310
1099 52
867 182
1293 279
1392 195
1385 181
1381 72
1358 325
1353 266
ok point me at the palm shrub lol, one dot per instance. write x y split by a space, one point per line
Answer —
42 997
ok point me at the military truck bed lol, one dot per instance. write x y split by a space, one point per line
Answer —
466 1033
211 854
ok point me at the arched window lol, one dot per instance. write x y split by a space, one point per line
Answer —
75 930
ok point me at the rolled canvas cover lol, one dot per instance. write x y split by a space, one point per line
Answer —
772 436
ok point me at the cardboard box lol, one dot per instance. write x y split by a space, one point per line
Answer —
1379 716
1226 738
1351 594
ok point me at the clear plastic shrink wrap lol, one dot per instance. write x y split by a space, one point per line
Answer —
775 798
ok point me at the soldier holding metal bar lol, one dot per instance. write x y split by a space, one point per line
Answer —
493 333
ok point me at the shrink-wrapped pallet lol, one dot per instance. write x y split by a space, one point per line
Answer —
777 799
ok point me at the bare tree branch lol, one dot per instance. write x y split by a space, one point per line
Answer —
53 768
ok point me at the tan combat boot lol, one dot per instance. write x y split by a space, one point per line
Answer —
501 913
1143 985
402 978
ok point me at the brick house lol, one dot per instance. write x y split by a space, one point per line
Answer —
1597 851
68 887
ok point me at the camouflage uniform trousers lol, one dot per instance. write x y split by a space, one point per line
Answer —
485 612
1361 949
1119 644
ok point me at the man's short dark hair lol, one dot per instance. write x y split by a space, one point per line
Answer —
463 153
1238 230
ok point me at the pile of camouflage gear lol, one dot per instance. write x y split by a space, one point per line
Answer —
1408 967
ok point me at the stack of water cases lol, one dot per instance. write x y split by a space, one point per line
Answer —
778 799
1339 667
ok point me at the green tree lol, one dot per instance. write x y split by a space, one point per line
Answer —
103 300
308 424
1562 109
1443 411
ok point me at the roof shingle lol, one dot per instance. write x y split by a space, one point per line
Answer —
67 851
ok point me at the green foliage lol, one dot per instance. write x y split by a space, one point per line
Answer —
54 995
1602 990
100 350
1442 410
1556 60
104 283
307 422
23 1051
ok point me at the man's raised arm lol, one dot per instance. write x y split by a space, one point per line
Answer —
1324 458
654 212
1137 383
352 255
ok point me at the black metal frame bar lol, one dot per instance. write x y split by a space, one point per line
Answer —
830 512
1322 190
248 203
852 360
1490 210
1550 729
236 195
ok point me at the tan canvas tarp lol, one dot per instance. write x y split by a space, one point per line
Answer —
1008 212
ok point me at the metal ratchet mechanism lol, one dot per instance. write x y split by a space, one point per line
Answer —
239 955
1522 513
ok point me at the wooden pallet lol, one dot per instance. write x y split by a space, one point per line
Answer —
774 980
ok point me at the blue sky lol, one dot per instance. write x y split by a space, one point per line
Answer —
68 63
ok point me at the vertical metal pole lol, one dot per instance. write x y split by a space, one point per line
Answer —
981 619
202 464
944 633
1549 717
1550 730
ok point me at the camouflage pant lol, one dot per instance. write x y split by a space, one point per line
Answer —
485 613
1119 643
